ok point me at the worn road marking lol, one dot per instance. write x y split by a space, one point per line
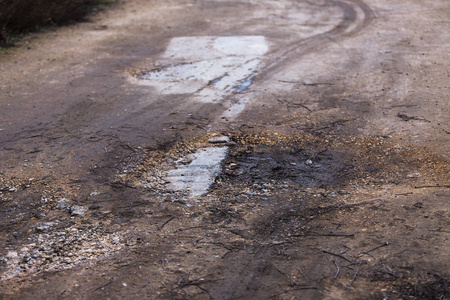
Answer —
197 177
208 68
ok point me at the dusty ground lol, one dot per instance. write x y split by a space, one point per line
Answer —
336 183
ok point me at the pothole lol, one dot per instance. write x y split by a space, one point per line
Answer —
292 165
275 164
331 164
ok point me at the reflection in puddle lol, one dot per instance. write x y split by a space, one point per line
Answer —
244 85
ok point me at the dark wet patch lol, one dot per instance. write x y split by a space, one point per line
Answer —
291 165
328 162
316 167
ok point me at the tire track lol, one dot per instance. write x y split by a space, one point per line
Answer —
311 44
247 274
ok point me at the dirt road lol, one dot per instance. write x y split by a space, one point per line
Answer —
229 150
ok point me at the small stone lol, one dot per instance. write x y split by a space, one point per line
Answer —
44 226
77 210
62 204
413 175
219 140
418 205
39 215
309 162
233 166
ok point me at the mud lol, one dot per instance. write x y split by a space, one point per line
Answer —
336 180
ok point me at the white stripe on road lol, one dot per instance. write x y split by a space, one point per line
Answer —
208 67
197 177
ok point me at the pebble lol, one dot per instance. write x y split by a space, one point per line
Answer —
219 140
44 226
233 166
77 210
62 204
413 175
39 215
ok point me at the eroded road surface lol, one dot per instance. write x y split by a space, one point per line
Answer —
229 150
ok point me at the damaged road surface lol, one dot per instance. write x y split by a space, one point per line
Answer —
229 150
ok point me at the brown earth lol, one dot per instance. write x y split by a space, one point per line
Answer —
336 185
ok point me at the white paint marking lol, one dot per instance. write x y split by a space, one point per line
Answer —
235 110
219 140
208 67
242 45
197 177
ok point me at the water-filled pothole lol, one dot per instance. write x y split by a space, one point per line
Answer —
329 163
300 162
265 164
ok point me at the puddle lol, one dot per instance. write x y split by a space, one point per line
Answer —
244 86
208 67
295 166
